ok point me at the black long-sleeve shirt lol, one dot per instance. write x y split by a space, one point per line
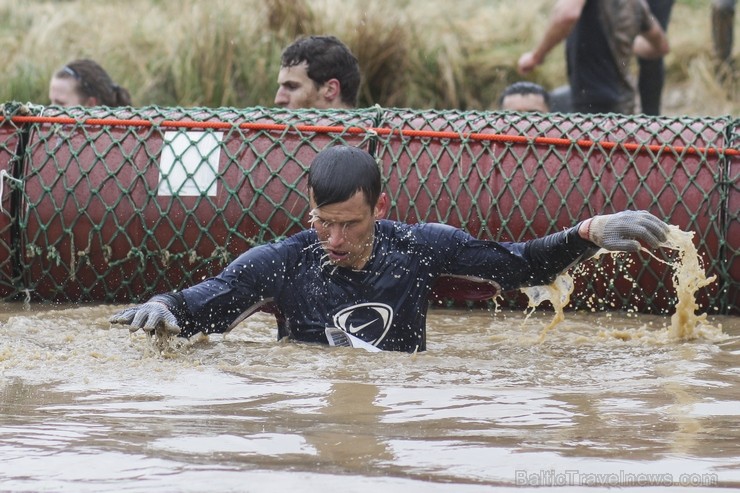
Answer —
386 302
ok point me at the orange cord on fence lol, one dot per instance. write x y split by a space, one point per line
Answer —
430 134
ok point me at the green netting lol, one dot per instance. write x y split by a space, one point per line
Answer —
526 189
116 205
11 136
117 212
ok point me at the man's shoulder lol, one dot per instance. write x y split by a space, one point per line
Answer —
417 232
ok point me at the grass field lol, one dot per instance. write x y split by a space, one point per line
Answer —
413 53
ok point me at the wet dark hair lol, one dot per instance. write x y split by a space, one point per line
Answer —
339 172
327 58
523 88
93 81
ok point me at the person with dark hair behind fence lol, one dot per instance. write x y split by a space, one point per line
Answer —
525 96
318 72
85 83
368 279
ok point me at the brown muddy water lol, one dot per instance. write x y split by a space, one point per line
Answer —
605 399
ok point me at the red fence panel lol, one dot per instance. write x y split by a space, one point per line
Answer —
119 212
10 137
121 204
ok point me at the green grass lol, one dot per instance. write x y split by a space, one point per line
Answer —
413 53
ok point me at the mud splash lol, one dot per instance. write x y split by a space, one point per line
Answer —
688 277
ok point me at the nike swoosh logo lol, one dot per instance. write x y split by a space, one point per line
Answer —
354 330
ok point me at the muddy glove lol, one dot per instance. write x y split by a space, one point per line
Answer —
624 231
152 316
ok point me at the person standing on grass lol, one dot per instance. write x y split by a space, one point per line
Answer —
367 277
318 72
85 83
601 38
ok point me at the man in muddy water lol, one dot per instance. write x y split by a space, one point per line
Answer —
355 273
318 72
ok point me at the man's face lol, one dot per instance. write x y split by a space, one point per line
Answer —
346 229
524 102
296 90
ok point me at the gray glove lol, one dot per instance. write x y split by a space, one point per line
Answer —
152 316
625 230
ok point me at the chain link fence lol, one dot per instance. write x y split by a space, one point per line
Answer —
116 205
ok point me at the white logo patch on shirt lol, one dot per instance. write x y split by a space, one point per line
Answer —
368 321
